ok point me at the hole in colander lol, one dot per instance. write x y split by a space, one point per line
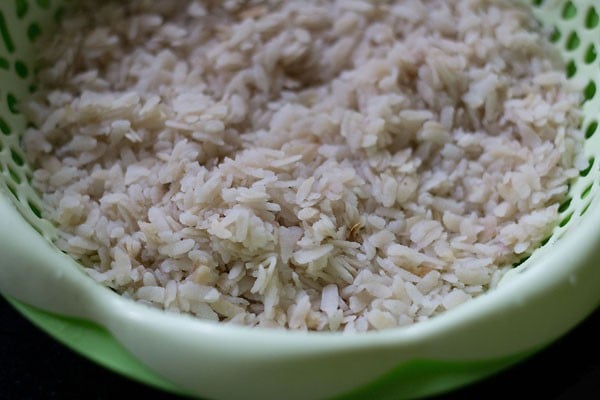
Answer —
590 91
571 69
590 54
33 31
12 190
586 191
569 11
555 35
45 4
10 46
591 129
21 69
4 127
591 19
587 170
11 102
563 207
521 261
17 158
34 209
573 41
585 208
565 220
4 64
60 11
22 7
13 175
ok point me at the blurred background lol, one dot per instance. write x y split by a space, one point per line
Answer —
34 366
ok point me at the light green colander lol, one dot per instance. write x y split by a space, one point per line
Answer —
554 289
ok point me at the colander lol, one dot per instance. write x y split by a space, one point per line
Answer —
536 302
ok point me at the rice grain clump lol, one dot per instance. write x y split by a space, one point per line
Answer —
314 165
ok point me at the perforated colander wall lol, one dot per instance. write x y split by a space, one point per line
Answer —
575 31
22 23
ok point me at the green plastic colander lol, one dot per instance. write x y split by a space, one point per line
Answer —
541 299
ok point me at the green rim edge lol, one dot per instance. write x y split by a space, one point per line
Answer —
417 378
